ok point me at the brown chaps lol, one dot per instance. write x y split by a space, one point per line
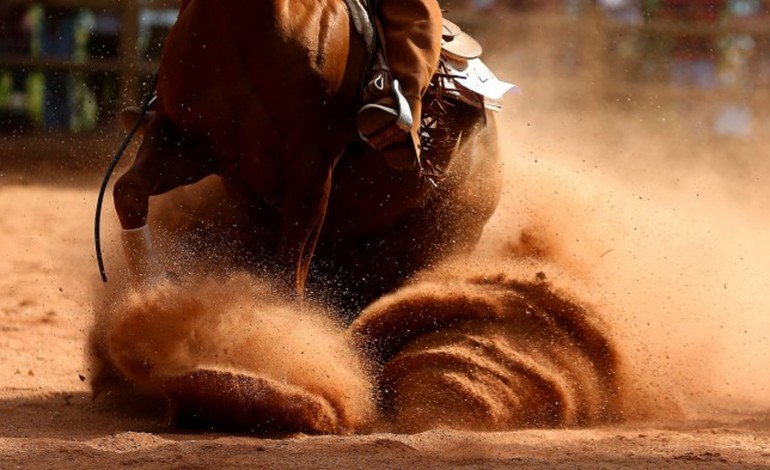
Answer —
412 35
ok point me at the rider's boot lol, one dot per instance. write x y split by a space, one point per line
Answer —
411 30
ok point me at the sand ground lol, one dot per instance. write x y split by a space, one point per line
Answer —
48 420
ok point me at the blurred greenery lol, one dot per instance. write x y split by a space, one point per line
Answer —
83 100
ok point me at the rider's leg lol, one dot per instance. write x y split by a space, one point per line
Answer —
412 35
412 30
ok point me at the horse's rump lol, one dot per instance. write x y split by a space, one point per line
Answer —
260 67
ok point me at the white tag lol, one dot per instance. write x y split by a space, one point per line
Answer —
478 78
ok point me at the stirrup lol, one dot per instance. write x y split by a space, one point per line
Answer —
384 121
387 126
375 118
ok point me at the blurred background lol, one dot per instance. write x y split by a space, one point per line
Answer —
686 80
650 91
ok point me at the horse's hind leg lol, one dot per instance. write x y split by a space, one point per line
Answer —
164 162
303 212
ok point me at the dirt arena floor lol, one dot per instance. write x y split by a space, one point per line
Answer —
637 211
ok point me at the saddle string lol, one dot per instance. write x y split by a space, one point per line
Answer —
437 139
149 99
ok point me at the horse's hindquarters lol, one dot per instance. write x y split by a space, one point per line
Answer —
271 70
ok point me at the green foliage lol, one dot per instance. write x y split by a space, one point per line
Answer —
35 96
85 110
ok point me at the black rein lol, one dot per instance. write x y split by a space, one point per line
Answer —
110 169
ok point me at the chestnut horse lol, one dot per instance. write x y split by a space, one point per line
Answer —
264 94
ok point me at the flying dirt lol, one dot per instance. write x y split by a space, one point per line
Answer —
480 342
455 349
580 307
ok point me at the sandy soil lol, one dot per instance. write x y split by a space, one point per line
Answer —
50 422
670 249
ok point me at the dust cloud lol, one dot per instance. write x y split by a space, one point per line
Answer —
624 276
230 352
479 346
662 231
592 298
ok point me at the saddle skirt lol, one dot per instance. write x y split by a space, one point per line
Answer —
461 74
